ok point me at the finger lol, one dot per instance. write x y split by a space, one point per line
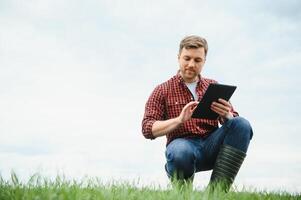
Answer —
223 101
221 106
191 104
194 108
194 102
219 111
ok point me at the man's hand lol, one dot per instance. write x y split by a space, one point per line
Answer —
187 111
223 108
161 128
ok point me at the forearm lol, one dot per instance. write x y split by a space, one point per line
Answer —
161 128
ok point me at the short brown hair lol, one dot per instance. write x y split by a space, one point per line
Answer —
193 41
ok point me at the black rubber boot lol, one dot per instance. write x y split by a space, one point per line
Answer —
226 167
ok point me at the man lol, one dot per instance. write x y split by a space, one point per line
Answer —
195 145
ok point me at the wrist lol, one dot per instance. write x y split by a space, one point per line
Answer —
178 120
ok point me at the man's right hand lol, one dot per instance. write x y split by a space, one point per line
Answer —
161 128
187 111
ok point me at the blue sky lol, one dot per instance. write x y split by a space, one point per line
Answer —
75 76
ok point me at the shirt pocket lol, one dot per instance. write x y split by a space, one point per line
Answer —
175 106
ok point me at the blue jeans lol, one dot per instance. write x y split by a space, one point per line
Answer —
186 156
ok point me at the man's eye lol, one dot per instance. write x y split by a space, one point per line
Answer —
187 59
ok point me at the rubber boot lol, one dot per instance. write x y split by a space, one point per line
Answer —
226 167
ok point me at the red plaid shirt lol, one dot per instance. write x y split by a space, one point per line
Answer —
166 102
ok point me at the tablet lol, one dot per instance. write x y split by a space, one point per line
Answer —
213 93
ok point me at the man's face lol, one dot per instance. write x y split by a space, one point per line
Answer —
191 63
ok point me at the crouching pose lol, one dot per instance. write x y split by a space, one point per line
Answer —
195 145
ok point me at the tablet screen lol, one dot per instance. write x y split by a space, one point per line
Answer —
213 93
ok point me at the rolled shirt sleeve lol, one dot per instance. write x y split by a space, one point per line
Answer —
154 111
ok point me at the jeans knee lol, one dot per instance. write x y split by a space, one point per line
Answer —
243 126
180 159
180 155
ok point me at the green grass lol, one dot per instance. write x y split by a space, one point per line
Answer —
61 189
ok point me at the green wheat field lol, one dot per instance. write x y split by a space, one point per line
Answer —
39 188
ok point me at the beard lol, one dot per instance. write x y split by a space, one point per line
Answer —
189 75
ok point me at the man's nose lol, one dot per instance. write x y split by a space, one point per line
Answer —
191 63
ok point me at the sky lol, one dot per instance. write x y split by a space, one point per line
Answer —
75 77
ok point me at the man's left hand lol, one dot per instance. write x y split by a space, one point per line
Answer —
223 108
